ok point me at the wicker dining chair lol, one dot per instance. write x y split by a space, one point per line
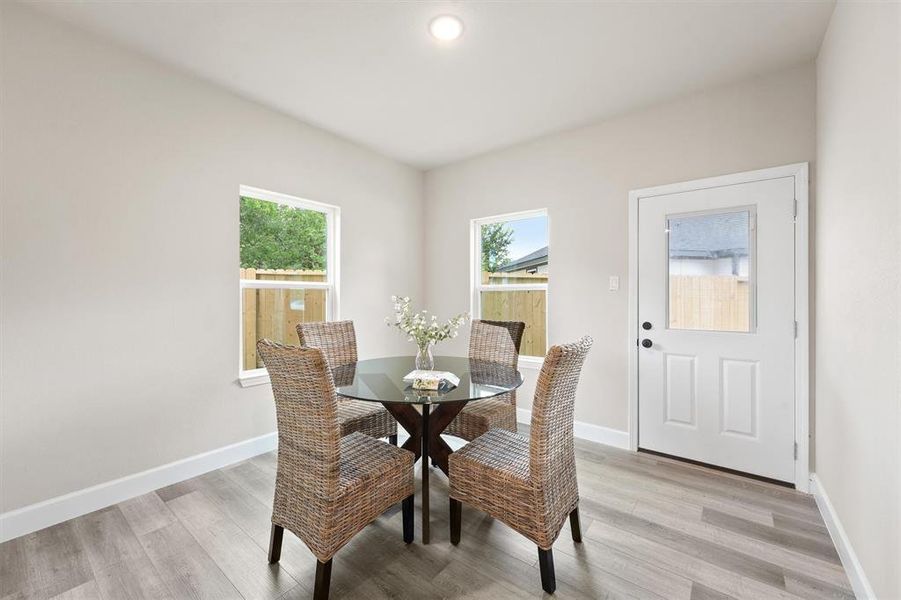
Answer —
328 487
528 483
496 342
338 342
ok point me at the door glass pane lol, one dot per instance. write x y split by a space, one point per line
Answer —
710 271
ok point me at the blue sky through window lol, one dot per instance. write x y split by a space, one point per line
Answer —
528 235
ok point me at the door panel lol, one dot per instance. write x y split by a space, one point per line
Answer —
716 281
681 390
739 402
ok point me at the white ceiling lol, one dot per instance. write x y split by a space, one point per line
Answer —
369 71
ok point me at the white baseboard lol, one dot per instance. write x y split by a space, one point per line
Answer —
37 516
587 431
859 582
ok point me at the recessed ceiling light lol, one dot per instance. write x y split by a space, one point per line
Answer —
446 28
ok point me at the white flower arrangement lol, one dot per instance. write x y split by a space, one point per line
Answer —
419 326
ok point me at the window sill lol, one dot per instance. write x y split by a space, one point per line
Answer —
252 378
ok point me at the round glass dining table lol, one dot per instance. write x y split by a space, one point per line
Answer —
424 414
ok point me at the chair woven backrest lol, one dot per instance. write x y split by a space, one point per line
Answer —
552 458
336 339
308 432
496 341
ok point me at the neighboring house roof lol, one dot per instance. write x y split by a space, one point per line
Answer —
709 236
529 261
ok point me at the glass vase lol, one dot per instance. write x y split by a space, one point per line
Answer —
424 359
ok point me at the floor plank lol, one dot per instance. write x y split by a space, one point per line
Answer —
243 562
258 481
819 548
815 530
603 474
814 589
757 550
146 513
14 575
107 537
702 592
134 578
85 591
187 570
55 561
606 559
724 494
726 557
686 565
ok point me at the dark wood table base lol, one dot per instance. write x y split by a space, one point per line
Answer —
425 441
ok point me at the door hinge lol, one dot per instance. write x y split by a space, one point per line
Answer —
796 450
796 330
795 212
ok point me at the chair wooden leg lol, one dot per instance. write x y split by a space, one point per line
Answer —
456 520
275 543
323 579
546 564
407 510
575 525
392 439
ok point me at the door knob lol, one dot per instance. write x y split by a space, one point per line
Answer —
647 343
646 325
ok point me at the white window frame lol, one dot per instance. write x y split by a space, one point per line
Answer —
475 269
248 377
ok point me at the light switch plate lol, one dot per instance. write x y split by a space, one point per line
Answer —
614 283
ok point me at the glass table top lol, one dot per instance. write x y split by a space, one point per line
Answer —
381 380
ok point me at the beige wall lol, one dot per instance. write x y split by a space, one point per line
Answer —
583 178
858 297
120 255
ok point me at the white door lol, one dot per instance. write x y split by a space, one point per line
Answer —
717 326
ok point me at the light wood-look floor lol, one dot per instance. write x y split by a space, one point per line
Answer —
653 528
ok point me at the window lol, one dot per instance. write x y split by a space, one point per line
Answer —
288 271
510 274
710 270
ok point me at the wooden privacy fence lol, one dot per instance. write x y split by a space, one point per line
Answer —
275 313
709 302
704 302
528 306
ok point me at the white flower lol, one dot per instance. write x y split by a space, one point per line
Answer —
417 325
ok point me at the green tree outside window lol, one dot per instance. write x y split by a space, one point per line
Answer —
275 236
496 240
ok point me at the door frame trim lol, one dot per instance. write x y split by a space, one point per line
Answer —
800 173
